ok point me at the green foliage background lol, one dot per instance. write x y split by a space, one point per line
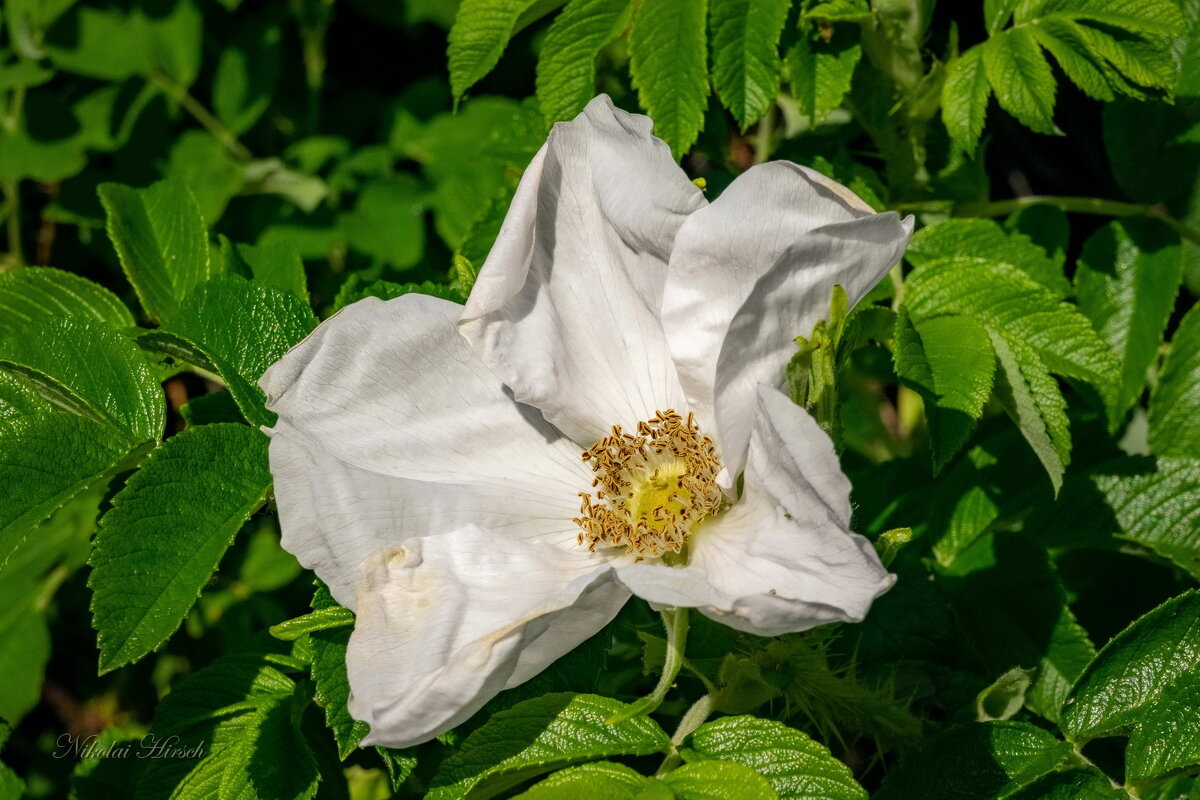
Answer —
190 185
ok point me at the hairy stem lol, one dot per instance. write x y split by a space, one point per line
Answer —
693 718
675 620
222 134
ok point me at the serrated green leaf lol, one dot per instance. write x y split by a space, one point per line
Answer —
38 293
1032 399
1073 783
1033 333
275 264
996 13
820 72
1013 608
1021 78
985 240
1156 509
745 39
241 328
355 289
329 675
718 780
566 69
1126 280
1168 738
60 358
979 760
324 619
159 234
1175 401
166 532
965 98
240 710
668 62
796 766
481 31
1132 671
1046 226
542 735
1064 40
950 362
49 457
601 780
24 644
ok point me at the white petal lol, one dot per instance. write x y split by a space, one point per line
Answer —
754 270
781 560
390 427
446 622
333 515
565 309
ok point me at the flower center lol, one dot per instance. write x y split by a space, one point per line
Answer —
650 489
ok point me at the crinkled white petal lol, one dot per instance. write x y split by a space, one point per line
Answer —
565 309
757 268
781 559
390 427
333 515
446 622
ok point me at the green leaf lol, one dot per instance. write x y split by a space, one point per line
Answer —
241 711
388 221
1033 334
205 166
996 13
246 76
601 780
1155 509
160 237
50 456
24 645
329 675
1013 608
796 766
166 532
1175 401
1126 279
566 69
1005 696
745 40
950 361
324 619
718 780
1168 738
1021 78
669 67
542 735
355 289
481 31
39 293
276 265
965 98
241 328
1134 669
978 760
1073 783
985 240
59 358
820 72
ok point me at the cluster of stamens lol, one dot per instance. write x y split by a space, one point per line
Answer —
652 488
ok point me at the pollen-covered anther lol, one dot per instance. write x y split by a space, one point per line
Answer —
652 488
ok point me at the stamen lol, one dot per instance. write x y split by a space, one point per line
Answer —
652 488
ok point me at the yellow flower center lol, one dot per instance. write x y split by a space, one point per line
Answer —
651 489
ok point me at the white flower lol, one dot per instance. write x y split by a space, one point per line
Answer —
429 459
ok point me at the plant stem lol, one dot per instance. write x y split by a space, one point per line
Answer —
693 718
766 132
222 134
1070 205
675 620
12 214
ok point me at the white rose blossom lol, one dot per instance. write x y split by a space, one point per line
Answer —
486 486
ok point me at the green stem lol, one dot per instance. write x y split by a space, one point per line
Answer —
222 134
693 718
675 620
1070 205
766 132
